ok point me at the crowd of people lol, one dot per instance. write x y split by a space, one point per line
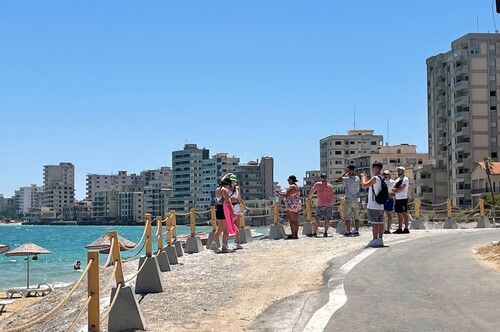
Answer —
230 205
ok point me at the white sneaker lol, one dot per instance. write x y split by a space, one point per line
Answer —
238 246
214 246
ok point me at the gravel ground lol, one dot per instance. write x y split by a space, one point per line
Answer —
218 292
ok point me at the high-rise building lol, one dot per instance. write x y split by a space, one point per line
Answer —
213 170
27 198
462 104
58 186
186 177
256 179
338 151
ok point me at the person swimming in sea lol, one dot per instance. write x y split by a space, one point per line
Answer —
77 265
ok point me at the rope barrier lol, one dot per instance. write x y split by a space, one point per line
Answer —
128 259
109 255
202 212
428 204
56 308
82 311
136 273
142 238
103 318
111 279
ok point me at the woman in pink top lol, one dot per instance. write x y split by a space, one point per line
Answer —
293 205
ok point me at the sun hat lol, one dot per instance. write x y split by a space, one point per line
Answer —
401 168
387 172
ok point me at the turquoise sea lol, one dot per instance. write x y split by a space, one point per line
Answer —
67 244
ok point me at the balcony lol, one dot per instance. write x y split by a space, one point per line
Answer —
461 115
440 86
461 101
440 72
464 131
462 85
464 69
440 99
480 191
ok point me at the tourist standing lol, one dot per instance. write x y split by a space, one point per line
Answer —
389 205
401 204
221 197
324 191
351 200
375 212
238 205
293 204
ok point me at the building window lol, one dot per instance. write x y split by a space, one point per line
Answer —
338 152
493 93
475 48
338 142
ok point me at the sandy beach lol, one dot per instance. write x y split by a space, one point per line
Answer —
224 292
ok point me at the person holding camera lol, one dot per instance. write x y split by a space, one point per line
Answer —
351 200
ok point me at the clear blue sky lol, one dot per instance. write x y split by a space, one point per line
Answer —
119 85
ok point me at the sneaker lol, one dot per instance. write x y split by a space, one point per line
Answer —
214 246
387 232
226 250
398 231
313 235
347 234
355 233
238 247
325 235
406 231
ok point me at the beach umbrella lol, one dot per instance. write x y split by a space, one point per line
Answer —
104 244
3 248
28 249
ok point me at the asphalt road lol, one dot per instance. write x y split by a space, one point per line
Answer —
427 284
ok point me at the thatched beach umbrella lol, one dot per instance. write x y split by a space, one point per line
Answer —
28 249
104 244
3 248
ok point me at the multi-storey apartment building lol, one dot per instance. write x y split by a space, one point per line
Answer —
212 171
58 186
27 198
256 179
338 151
462 105
186 177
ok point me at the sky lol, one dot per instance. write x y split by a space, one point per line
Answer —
119 85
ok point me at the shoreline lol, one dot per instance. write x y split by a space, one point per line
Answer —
207 291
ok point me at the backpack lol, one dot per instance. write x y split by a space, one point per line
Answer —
383 194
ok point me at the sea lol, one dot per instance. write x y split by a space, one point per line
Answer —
67 244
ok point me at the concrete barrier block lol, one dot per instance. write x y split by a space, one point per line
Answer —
149 277
245 235
276 232
450 224
211 239
307 228
341 229
193 245
417 224
483 222
178 248
126 314
163 261
171 254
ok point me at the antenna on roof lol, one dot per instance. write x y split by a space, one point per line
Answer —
354 117
493 14
387 142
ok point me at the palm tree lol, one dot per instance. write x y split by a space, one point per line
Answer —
488 165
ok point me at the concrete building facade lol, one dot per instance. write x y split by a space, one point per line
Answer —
462 104
58 186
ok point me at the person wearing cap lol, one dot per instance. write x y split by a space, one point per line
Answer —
389 205
324 191
351 200
293 204
401 205
375 211
221 198
238 203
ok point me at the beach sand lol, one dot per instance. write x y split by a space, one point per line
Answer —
221 292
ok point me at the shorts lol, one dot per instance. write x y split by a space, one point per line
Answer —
351 210
324 212
389 205
401 205
219 212
375 217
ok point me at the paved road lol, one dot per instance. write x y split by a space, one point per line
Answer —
426 284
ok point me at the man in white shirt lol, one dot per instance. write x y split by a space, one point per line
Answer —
375 211
389 205
401 206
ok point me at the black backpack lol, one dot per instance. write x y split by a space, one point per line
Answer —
383 194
